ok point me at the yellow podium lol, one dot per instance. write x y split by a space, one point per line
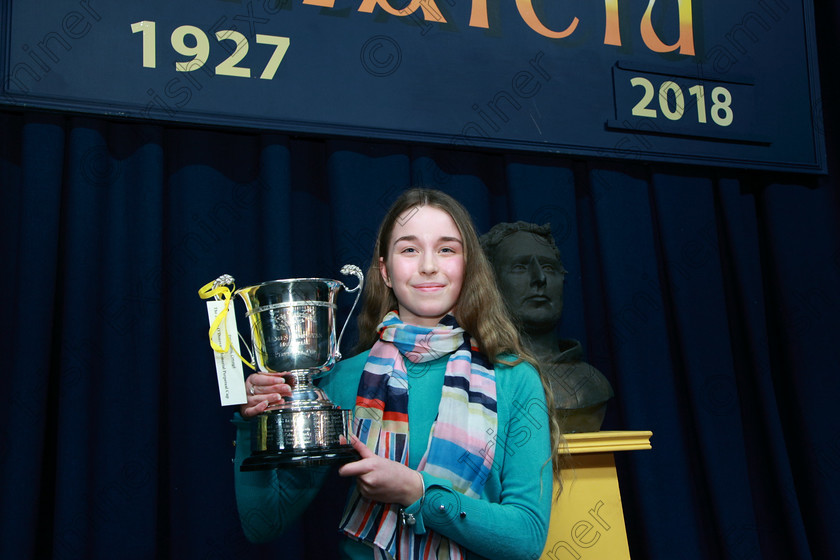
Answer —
587 521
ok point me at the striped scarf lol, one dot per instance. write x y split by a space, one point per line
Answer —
461 437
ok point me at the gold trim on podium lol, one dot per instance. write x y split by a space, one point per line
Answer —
587 520
596 442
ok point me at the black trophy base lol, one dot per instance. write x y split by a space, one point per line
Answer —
309 458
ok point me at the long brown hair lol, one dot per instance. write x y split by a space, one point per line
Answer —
480 310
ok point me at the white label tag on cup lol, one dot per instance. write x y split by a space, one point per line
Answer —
228 365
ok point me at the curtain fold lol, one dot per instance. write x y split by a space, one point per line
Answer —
31 249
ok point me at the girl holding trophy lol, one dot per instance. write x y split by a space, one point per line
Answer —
457 450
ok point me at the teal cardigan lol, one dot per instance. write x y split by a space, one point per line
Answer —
509 520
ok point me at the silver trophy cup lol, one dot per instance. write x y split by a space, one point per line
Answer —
293 332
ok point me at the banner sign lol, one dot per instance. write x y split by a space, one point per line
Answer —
714 82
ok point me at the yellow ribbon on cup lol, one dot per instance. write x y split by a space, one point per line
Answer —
219 290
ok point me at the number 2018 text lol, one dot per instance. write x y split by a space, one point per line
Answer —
720 110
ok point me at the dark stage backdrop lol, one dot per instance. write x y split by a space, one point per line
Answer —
708 297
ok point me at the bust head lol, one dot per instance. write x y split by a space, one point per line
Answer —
530 276
529 273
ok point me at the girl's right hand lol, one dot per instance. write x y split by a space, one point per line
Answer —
263 389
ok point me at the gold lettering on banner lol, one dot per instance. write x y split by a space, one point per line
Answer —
612 29
685 43
612 32
430 10
478 14
526 10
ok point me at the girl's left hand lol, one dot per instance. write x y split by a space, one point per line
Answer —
381 479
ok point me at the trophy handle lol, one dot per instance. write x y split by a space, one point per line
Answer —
348 269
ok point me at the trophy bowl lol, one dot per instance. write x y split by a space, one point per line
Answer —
293 332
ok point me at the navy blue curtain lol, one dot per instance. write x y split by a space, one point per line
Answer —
709 297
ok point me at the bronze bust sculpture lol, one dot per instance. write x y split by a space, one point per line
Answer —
530 275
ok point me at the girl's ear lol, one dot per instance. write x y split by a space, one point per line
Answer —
383 270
